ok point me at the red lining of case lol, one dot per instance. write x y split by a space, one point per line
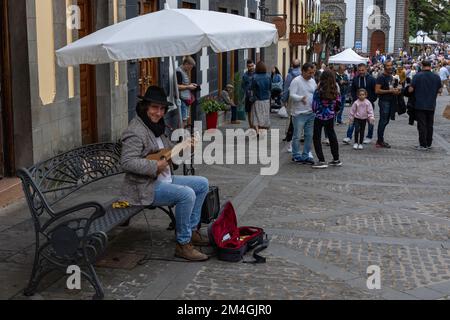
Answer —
227 223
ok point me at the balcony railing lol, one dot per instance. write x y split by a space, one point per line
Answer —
298 35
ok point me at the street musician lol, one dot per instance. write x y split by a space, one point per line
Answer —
152 182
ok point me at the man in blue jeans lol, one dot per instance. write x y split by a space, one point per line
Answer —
301 93
151 182
343 82
362 81
386 93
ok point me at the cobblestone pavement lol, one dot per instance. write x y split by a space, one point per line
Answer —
389 208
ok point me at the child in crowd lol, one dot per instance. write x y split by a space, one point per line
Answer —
361 111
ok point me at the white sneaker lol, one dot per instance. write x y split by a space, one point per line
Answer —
355 146
310 155
360 147
367 141
326 141
347 140
251 133
290 148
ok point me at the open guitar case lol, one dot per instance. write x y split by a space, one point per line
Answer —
232 242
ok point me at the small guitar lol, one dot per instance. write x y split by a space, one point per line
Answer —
168 153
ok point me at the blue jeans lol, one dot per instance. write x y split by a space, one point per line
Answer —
187 193
341 111
184 110
385 116
302 122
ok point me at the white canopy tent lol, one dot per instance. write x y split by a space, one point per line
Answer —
422 40
347 56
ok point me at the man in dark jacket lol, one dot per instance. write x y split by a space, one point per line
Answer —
363 81
247 79
426 86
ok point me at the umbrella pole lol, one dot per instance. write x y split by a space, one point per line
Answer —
175 94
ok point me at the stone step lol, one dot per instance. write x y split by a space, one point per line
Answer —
10 191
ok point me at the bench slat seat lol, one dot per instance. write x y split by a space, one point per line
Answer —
114 218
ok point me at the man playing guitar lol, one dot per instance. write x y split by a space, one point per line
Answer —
151 182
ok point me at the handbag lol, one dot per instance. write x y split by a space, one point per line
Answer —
191 100
283 112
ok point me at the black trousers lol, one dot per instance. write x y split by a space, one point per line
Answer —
360 127
425 121
328 125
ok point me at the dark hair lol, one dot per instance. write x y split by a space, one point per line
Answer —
249 61
426 63
143 106
261 67
307 66
362 90
277 71
362 65
388 61
328 87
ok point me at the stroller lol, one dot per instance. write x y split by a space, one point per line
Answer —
275 99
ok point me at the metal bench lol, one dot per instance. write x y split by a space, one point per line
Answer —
77 235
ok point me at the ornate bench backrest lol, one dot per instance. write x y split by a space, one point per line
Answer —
52 180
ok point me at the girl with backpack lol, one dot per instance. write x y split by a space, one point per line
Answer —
326 104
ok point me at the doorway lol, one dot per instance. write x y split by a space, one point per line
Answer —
6 113
148 68
377 42
88 87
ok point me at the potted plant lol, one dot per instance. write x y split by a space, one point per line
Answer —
211 106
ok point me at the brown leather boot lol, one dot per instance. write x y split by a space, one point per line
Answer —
188 252
199 240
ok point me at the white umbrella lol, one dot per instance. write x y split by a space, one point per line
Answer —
166 33
347 56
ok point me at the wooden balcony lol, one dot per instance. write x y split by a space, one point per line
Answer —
298 35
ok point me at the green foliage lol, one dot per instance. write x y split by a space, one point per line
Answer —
326 29
210 104
429 15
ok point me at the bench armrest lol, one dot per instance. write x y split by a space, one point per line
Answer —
99 212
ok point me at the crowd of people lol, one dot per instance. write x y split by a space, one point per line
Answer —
315 99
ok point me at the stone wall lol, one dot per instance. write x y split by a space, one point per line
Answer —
56 126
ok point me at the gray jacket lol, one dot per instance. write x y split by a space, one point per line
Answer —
138 141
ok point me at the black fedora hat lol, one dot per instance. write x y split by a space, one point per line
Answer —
157 95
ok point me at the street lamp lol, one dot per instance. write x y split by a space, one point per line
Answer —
265 11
